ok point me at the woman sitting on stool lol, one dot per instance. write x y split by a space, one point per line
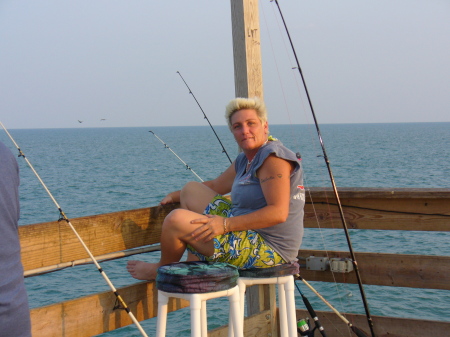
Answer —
262 225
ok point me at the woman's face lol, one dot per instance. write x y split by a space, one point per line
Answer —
247 129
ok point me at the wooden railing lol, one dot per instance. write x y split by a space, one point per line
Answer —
53 245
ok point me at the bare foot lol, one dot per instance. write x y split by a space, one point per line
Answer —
142 270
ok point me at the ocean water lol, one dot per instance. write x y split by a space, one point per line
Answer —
94 171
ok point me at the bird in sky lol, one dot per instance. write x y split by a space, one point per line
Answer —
80 121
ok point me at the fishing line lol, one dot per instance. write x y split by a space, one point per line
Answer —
327 162
281 83
303 105
205 117
167 147
66 219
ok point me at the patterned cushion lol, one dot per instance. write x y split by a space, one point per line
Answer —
196 277
280 270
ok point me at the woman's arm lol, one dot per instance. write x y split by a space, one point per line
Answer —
274 176
222 184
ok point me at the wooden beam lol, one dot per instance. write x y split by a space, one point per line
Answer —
260 324
380 193
246 48
377 214
247 74
376 208
397 270
95 314
51 243
384 326
71 318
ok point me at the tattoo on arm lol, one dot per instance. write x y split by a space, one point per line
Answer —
266 179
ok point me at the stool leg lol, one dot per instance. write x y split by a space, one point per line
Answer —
196 306
204 319
235 322
162 315
230 322
282 315
290 305
242 287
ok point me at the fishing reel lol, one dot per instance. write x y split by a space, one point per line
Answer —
303 328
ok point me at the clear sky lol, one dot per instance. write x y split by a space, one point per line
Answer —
377 61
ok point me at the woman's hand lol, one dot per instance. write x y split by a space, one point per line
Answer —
211 226
167 200
170 198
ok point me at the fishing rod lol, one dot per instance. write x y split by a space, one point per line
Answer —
66 219
327 162
358 332
205 117
304 330
167 147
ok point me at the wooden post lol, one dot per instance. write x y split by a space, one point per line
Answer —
249 83
246 48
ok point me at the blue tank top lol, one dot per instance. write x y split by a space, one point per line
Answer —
247 196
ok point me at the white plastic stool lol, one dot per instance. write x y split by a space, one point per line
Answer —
198 282
286 301
198 311
286 296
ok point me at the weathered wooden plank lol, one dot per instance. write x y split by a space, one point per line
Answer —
398 270
51 243
71 318
387 209
258 325
383 326
380 193
246 48
95 314
262 298
399 214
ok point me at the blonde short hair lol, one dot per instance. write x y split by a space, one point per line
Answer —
246 103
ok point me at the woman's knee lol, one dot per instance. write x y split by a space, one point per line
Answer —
174 217
178 223
195 196
191 188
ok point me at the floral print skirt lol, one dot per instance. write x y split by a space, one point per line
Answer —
243 249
